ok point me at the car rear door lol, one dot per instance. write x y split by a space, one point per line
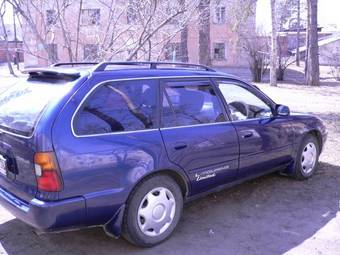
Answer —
197 134
21 107
266 141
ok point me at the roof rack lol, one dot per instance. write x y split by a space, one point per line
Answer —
153 65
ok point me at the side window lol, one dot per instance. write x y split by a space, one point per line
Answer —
242 103
118 106
185 105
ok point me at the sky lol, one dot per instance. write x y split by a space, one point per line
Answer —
328 13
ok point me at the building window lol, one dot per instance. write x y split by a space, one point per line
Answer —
219 51
91 52
172 51
52 51
132 12
90 16
51 17
220 15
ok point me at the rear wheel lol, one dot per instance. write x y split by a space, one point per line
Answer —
307 158
153 211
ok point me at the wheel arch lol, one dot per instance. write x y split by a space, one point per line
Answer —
178 177
313 132
114 226
317 134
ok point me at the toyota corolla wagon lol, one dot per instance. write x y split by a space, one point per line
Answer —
123 145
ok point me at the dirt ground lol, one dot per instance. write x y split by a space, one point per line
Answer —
270 215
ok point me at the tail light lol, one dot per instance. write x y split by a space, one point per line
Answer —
47 171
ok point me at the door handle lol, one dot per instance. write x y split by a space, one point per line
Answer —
180 146
247 134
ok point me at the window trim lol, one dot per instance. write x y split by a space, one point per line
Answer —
211 78
193 81
251 89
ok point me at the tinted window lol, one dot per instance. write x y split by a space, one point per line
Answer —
118 106
22 104
190 105
242 103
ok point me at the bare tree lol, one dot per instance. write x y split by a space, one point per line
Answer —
256 45
204 32
254 42
307 41
287 18
78 28
2 20
333 57
134 29
298 2
273 55
184 41
285 59
313 71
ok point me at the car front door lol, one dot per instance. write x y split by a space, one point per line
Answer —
197 134
266 140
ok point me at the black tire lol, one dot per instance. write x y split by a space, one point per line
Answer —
299 171
131 230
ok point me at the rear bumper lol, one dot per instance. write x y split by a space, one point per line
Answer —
46 216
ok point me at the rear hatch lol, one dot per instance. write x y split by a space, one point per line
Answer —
21 107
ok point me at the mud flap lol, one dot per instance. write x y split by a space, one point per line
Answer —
113 227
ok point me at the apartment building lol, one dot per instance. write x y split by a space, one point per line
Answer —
99 30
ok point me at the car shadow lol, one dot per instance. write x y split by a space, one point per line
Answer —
269 215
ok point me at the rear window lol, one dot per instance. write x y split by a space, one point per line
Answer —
22 105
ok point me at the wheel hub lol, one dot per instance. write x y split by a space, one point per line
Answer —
308 158
156 211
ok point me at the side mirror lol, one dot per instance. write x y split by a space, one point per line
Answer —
282 110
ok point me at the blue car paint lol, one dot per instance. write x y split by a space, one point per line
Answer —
99 172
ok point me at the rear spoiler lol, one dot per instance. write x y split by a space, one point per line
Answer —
68 74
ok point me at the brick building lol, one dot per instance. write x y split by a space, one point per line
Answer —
94 17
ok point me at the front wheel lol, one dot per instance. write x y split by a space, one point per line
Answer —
153 211
307 158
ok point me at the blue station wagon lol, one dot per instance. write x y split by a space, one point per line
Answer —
123 145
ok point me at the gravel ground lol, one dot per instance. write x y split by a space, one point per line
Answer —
269 215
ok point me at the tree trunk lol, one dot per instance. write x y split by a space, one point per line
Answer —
184 40
313 72
273 55
298 33
184 45
66 36
307 40
204 33
78 29
8 56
